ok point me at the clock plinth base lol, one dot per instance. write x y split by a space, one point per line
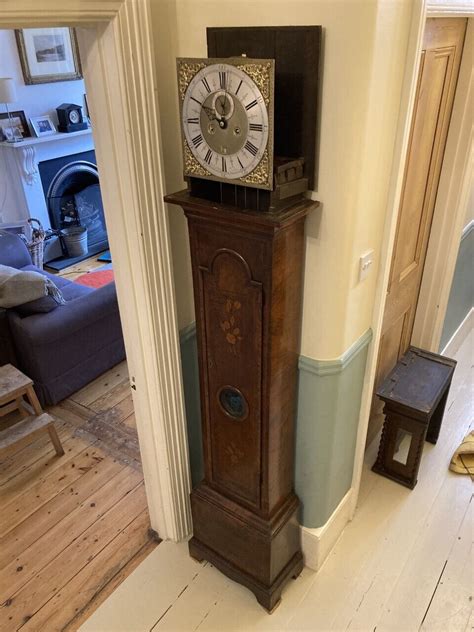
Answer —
269 597
233 538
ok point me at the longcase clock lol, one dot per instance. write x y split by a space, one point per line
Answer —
246 212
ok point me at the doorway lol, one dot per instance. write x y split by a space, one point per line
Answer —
436 86
73 526
116 51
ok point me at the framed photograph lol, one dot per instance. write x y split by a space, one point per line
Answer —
43 125
12 134
48 54
18 122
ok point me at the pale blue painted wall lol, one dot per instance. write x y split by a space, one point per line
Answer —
190 370
461 297
326 430
329 397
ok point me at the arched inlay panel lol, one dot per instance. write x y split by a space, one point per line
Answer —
232 316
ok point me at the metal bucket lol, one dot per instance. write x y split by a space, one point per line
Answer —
75 239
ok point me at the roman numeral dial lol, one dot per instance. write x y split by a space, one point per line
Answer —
226 120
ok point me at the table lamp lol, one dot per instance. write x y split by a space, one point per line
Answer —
8 95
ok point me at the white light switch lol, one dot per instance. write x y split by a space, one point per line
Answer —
365 262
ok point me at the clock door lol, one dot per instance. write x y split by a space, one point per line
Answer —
232 314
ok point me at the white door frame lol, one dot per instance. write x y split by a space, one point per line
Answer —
422 9
117 56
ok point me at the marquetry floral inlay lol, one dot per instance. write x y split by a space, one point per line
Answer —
230 325
234 453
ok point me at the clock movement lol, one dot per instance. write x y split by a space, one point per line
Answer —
246 210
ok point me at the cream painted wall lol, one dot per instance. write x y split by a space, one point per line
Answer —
383 104
163 13
364 46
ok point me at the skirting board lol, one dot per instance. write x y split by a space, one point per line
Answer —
459 335
317 543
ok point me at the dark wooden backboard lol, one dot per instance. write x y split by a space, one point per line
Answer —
296 51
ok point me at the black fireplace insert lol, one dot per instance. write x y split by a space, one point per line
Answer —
72 192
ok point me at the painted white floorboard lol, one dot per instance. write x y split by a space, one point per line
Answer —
145 596
402 564
451 606
238 610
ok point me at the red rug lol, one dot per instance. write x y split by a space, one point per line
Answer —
95 279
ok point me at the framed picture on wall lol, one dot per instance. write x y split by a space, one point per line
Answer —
43 125
18 122
48 54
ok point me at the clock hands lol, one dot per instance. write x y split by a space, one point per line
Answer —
211 114
214 115
222 121
220 103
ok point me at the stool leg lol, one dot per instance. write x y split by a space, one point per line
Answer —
434 426
53 435
30 391
23 406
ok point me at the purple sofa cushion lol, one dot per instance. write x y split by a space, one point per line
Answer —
69 289
42 305
13 251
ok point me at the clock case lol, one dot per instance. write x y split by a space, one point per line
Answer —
262 72
65 124
297 53
248 279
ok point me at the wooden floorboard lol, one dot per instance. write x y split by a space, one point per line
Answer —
18 457
91 580
73 527
112 398
43 584
57 510
101 385
23 504
114 426
83 267
50 462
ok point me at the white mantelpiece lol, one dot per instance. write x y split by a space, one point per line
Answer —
23 195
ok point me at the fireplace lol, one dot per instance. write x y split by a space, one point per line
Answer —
72 192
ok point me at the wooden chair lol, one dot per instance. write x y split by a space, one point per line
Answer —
14 388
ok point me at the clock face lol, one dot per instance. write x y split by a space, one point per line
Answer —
74 116
226 122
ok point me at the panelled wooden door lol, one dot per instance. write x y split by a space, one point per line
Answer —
438 74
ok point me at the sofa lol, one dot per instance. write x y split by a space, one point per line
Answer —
68 347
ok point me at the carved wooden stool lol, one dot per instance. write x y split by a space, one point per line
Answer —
415 395
14 387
